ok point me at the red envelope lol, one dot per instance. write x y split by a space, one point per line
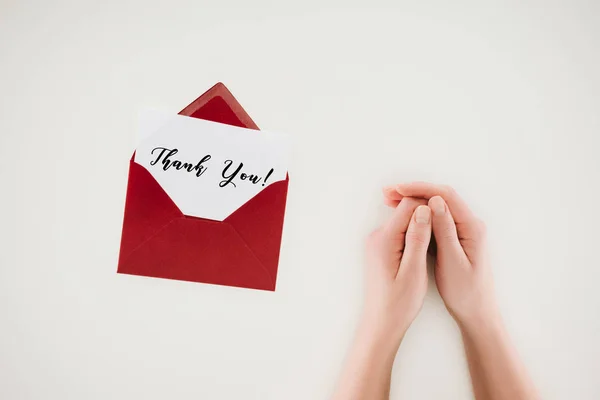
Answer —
158 240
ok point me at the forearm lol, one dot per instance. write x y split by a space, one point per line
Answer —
368 368
496 369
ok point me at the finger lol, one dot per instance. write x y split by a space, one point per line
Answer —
396 227
463 217
391 203
417 240
457 206
444 228
390 192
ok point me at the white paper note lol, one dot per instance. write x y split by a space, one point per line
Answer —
209 169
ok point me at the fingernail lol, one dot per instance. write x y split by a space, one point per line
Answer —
423 215
437 204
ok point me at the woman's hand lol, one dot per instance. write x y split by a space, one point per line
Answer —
464 280
396 282
462 273
396 272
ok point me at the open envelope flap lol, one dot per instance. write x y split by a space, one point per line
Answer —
219 105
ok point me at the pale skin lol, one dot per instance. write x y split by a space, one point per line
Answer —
396 283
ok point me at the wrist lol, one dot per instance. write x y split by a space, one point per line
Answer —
476 313
486 326
374 351
383 337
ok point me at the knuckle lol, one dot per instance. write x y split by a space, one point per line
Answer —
416 238
447 233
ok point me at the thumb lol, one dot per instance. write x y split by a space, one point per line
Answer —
444 227
417 240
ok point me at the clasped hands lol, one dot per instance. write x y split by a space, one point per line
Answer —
396 283
396 276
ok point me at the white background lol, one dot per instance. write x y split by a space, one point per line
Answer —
501 100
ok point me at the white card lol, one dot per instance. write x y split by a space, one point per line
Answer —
208 169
